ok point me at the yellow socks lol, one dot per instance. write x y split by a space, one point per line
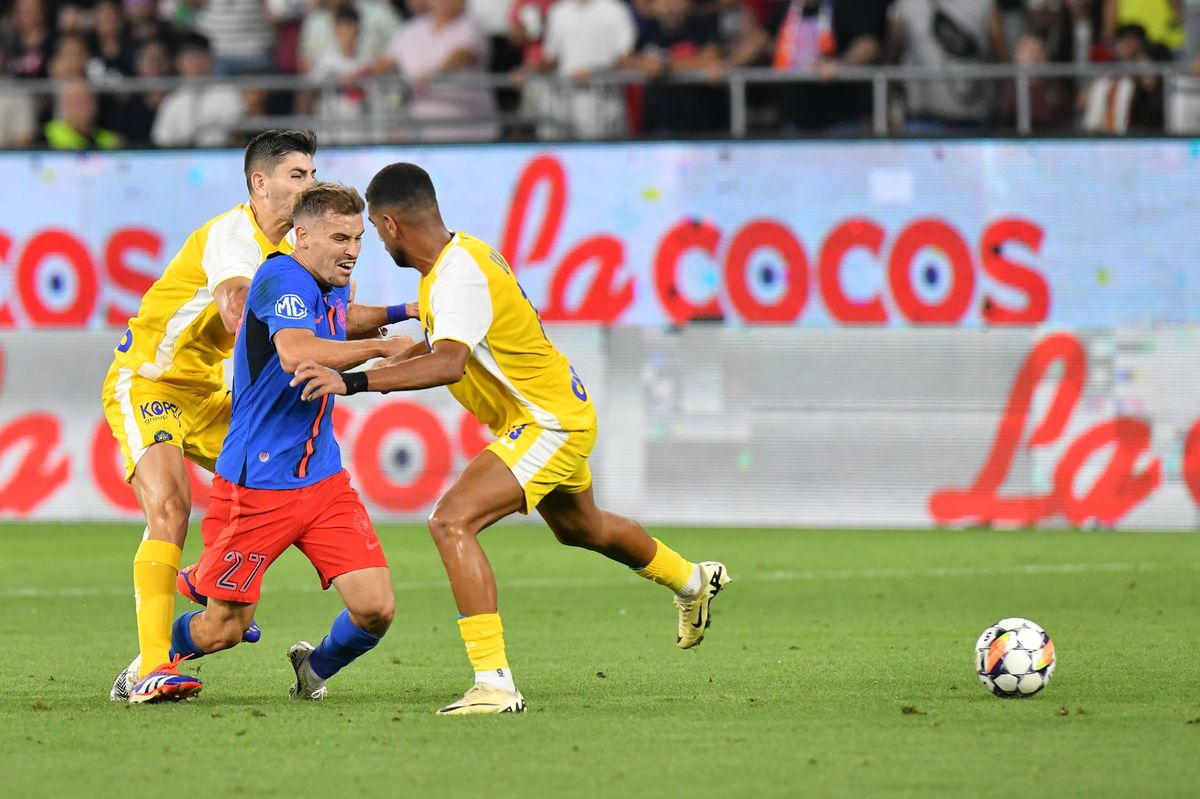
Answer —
668 568
484 637
154 568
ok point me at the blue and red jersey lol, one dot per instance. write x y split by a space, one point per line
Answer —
277 440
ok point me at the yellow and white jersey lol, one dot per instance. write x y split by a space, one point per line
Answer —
514 376
177 335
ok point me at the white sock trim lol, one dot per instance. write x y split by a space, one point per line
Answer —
692 587
500 678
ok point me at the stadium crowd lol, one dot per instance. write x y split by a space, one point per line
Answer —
475 70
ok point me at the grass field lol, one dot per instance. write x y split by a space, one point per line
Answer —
838 664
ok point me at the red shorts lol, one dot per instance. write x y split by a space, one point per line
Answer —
246 529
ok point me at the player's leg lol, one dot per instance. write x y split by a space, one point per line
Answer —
145 418
341 543
202 445
572 514
370 606
162 487
193 635
219 626
486 492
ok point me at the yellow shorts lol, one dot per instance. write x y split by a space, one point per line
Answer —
144 412
544 460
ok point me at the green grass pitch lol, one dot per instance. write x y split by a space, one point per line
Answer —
838 664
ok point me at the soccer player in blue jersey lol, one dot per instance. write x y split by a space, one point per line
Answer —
279 478
484 340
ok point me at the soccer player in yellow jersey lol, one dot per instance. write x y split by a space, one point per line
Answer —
165 396
485 341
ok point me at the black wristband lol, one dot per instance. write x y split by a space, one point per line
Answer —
355 382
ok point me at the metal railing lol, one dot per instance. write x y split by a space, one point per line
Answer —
395 114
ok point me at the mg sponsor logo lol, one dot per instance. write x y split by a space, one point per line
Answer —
290 306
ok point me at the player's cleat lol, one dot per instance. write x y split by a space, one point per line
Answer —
126 680
185 586
484 698
307 685
695 614
165 684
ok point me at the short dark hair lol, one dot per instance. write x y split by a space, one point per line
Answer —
267 149
327 198
192 41
404 186
346 14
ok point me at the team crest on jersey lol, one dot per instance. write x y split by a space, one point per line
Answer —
290 306
161 436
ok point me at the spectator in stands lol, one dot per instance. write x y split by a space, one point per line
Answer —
822 36
444 42
112 53
288 18
527 30
584 37
678 39
18 117
1186 102
1051 100
1048 20
378 25
75 126
494 17
132 116
1125 104
242 37
199 113
1162 20
26 40
937 33
343 103
143 23
71 57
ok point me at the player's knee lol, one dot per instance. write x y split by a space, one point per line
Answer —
169 510
375 619
572 537
446 526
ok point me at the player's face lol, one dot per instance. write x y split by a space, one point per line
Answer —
388 231
332 244
289 177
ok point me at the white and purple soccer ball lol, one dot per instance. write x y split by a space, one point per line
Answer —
1014 658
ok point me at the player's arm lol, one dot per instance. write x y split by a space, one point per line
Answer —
364 321
230 296
296 345
445 364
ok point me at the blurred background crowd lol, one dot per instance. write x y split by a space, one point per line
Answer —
181 73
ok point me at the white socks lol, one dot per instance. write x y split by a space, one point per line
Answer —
311 677
693 584
499 678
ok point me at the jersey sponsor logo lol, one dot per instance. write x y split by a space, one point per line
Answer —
290 306
126 341
158 410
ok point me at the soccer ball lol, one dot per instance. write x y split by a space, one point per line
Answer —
1014 657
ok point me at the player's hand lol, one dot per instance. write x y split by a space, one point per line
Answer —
395 345
319 380
392 361
413 310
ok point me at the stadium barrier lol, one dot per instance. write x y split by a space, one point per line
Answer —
389 118
877 334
